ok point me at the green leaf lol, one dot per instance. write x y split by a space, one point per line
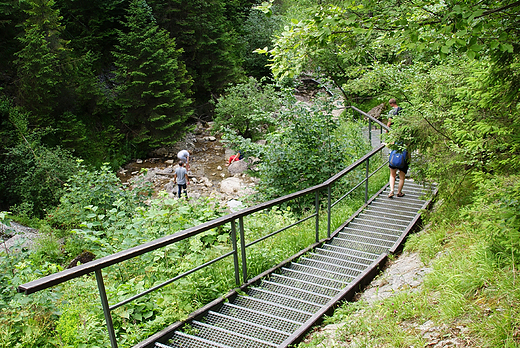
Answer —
507 47
475 47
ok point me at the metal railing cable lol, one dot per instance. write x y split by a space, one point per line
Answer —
97 266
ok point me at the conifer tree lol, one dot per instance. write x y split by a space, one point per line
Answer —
153 86
41 62
211 48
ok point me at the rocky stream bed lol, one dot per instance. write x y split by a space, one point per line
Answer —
209 175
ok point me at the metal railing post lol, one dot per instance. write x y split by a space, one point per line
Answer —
317 208
235 251
329 208
106 308
366 181
243 247
370 133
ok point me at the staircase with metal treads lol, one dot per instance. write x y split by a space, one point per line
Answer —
279 306
273 312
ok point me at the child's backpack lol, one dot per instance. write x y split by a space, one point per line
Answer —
397 159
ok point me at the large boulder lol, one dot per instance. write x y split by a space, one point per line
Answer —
206 182
237 167
231 185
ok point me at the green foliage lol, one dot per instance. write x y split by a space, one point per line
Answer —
33 176
331 43
306 149
41 61
95 190
210 44
91 27
472 28
153 86
257 32
496 211
248 109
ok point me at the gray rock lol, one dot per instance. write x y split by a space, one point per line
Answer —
169 187
230 185
237 167
235 205
21 237
165 171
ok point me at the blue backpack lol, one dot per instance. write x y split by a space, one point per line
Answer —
397 159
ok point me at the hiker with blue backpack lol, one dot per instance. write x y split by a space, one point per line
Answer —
398 159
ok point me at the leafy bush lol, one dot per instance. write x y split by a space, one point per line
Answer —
308 149
32 176
248 109
496 211
95 190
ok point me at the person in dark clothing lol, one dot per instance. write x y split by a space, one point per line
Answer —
182 179
393 171
393 112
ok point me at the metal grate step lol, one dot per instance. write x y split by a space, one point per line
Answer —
246 327
227 337
346 254
284 300
305 285
260 318
330 265
388 210
353 263
369 233
374 220
272 308
393 230
181 339
325 280
359 245
395 207
321 271
295 292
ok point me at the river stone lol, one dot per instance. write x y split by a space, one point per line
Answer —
230 185
237 167
235 205
169 187
206 182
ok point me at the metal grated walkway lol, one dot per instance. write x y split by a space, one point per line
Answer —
281 306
